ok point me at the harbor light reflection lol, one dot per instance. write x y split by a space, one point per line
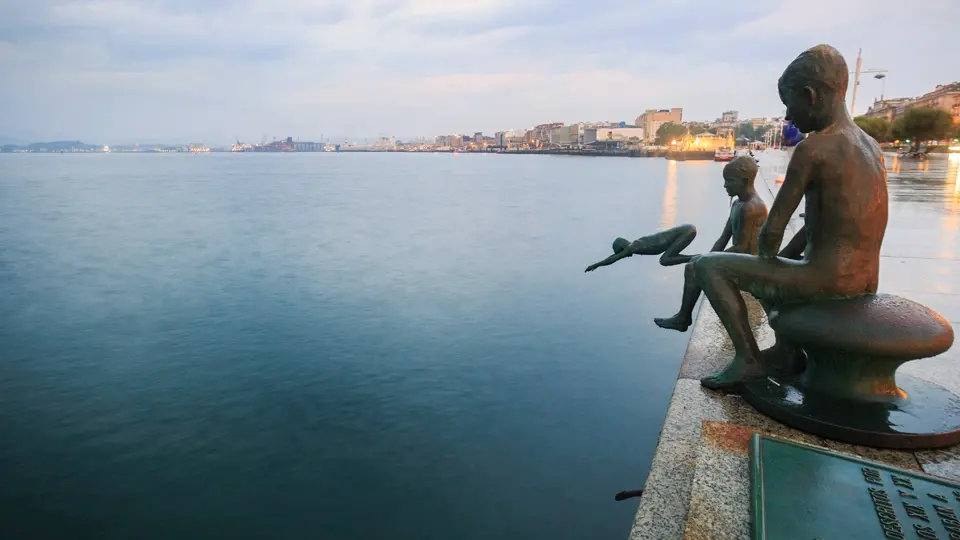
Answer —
668 207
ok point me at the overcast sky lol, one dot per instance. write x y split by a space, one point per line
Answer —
113 71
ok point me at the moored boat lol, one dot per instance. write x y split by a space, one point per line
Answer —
724 153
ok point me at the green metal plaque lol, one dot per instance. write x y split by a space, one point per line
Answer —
801 492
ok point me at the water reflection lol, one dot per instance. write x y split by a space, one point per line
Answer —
954 170
924 229
668 208
950 222
931 182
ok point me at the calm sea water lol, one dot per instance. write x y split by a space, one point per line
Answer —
345 346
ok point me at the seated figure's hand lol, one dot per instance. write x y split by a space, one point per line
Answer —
768 243
592 267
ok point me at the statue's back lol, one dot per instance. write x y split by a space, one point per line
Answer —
846 210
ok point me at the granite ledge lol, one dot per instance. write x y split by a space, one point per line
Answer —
666 506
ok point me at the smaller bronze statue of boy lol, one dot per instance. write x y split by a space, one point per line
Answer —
747 214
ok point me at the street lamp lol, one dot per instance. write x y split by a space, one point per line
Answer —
883 83
856 80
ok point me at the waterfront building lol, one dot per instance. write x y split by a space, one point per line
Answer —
945 97
509 137
512 138
888 109
306 146
385 142
730 118
567 135
198 148
652 119
727 124
453 141
623 134
541 134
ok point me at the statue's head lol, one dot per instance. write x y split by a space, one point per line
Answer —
620 244
814 88
739 174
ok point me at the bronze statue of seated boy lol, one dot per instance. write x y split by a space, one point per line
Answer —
743 225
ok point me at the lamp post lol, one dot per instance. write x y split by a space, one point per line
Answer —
883 83
856 80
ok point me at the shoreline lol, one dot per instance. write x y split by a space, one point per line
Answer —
550 152
642 153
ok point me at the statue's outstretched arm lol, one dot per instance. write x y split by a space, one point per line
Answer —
609 260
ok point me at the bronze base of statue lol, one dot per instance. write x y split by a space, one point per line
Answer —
849 390
928 416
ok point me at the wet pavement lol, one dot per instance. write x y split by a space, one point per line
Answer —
921 251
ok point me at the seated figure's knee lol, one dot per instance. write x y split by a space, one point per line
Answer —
688 229
703 267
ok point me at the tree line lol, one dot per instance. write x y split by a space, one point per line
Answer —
918 125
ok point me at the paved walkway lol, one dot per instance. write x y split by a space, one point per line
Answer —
698 487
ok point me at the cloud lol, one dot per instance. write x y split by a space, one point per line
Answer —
115 70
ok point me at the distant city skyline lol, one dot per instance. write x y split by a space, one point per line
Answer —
122 71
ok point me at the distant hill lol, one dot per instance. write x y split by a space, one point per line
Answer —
53 146
12 141
61 145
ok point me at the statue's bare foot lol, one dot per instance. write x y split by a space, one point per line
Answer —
738 372
678 322
784 359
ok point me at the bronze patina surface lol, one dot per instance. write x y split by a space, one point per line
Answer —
840 174
849 390
803 492
747 214
838 343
